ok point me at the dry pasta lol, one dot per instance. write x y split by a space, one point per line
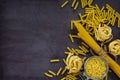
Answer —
114 47
73 63
73 3
64 4
59 71
48 75
95 67
64 70
54 60
51 72
103 33
76 5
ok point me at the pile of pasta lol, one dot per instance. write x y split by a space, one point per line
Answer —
97 22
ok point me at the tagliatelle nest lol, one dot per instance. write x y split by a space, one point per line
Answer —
73 63
103 33
114 47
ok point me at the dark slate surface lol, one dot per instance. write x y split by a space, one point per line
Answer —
34 31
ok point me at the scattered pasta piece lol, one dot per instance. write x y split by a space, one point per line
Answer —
51 72
48 75
64 4
76 5
73 3
59 71
84 3
54 60
64 70
85 44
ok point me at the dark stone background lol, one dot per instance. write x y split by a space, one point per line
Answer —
34 31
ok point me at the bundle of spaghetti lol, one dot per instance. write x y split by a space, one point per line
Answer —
103 33
73 63
114 47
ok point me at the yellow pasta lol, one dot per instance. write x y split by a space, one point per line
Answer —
73 64
48 75
95 67
103 33
114 47
105 47
90 2
83 49
51 72
65 3
119 23
64 61
83 3
76 5
64 70
80 52
54 60
109 7
85 44
59 71
73 3
71 38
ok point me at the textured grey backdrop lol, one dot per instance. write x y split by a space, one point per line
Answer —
34 31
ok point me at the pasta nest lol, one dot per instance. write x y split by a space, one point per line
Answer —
73 63
114 47
103 33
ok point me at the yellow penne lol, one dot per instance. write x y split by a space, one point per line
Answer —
64 70
48 75
59 71
76 5
85 44
90 2
54 60
73 3
51 72
64 4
